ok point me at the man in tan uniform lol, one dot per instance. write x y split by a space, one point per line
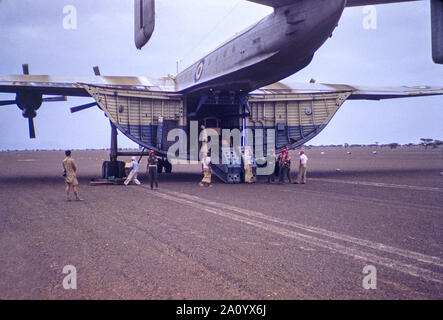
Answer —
70 168
248 166
302 168
206 168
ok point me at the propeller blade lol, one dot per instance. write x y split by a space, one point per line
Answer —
7 102
25 68
31 128
96 71
83 107
54 99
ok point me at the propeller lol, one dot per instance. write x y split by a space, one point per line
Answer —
83 107
47 99
7 102
25 68
55 99
96 70
31 128
29 102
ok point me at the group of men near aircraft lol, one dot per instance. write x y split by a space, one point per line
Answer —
71 182
282 165
151 170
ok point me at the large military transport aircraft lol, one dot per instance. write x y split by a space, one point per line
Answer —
236 86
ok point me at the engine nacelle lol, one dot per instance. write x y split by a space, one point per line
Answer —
29 102
144 21
437 30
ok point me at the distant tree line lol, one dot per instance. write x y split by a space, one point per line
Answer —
425 142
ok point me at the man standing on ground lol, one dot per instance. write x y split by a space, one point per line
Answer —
206 168
284 163
134 172
71 181
249 176
302 168
152 169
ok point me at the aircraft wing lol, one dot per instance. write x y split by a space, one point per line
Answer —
31 90
350 3
71 86
357 92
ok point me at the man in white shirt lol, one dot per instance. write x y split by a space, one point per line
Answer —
302 168
134 172
206 168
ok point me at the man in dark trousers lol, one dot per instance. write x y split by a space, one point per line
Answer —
152 169
284 163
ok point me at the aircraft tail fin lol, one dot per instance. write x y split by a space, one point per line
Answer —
144 21
437 30
436 22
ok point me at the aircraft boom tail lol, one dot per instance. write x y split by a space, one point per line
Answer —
144 21
437 30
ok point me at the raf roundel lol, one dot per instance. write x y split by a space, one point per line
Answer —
199 71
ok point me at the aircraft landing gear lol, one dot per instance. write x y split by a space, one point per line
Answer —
113 168
116 169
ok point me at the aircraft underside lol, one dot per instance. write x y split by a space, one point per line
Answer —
149 117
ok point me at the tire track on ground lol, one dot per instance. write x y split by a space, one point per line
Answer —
238 214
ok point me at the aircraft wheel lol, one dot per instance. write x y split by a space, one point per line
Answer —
168 166
160 166
113 169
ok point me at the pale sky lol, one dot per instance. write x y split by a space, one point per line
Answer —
397 52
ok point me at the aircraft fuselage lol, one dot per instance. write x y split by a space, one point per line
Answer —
279 45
